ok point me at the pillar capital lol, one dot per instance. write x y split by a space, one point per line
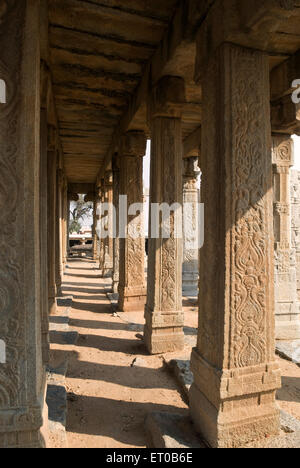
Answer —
282 151
108 179
168 97
134 143
191 171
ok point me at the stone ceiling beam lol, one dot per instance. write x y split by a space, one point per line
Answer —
283 76
194 23
175 53
192 143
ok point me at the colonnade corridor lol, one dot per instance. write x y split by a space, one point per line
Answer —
108 399
112 383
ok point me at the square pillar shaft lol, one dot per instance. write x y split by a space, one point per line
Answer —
236 375
52 207
132 285
163 311
22 374
116 241
287 306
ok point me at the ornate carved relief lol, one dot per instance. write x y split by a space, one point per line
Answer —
11 324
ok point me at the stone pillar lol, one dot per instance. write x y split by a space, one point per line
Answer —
22 375
52 206
58 227
232 399
108 226
102 221
95 237
190 266
116 193
163 311
43 236
132 285
64 222
287 307
295 202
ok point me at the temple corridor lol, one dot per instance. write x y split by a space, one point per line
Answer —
108 399
112 383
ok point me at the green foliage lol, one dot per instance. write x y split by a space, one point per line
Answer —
80 210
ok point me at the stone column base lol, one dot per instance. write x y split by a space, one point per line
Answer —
163 332
132 300
235 407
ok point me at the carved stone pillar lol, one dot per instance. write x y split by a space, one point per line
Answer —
232 400
52 207
132 285
108 225
64 222
116 193
58 226
163 311
295 201
94 232
287 307
101 222
43 237
22 375
190 266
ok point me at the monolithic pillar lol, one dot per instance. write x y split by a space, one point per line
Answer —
232 399
190 266
64 222
132 285
52 206
22 375
94 231
116 255
163 311
108 226
58 226
287 307
295 202
43 236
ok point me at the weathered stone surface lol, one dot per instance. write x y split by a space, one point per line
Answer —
232 399
295 205
183 374
132 285
171 431
289 350
287 306
163 311
174 431
116 241
190 220
22 376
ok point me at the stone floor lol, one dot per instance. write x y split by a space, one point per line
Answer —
112 383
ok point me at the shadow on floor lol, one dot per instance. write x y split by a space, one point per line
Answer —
121 421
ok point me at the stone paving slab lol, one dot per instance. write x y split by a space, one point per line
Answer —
183 374
171 431
56 398
289 350
175 431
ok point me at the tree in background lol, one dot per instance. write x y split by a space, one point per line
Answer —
80 210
